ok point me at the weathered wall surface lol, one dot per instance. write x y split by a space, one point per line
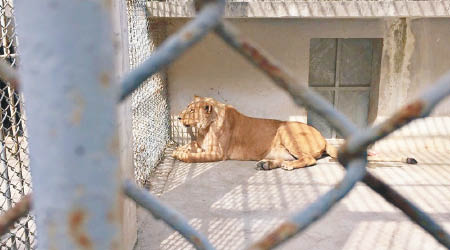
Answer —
431 57
211 68
415 53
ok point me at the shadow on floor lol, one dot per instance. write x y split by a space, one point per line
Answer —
234 204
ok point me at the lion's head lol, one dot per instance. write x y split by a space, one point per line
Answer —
200 113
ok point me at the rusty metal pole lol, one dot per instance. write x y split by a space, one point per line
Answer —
67 70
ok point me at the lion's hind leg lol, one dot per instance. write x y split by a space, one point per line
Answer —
301 162
275 158
268 164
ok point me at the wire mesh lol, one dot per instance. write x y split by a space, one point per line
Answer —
354 159
149 103
152 126
15 179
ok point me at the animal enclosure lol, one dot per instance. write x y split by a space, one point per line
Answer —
154 94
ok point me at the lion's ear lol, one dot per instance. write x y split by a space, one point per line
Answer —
197 98
208 108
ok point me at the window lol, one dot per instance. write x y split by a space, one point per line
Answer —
344 71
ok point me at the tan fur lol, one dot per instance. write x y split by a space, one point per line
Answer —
226 134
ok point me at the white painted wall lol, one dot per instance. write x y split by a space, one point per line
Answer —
212 69
431 58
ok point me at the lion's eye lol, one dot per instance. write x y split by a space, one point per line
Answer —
192 110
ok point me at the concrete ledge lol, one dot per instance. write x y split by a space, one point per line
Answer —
312 9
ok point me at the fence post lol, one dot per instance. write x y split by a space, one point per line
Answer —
67 71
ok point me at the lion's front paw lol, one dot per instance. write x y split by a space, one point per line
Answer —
263 165
177 153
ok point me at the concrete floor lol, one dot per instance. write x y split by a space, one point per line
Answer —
234 204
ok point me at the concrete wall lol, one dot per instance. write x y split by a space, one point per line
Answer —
430 59
415 53
211 68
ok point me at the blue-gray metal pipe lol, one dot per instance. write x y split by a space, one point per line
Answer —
174 46
409 208
166 214
67 70
300 93
300 221
419 108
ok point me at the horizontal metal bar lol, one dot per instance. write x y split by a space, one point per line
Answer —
8 74
355 171
299 92
15 213
411 210
419 108
209 16
167 214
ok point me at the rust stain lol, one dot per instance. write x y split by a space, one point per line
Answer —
78 110
105 80
265 64
284 231
107 4
338 185
113 146
187 36
115 245
441 234
197 242
404 115
77 218
111 216
116 215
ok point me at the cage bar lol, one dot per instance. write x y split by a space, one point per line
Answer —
71 107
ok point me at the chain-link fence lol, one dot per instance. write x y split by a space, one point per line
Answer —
149 103
352 155
151 131
15 172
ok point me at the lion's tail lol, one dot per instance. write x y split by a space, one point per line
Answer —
331 150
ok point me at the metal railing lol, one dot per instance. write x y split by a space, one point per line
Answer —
83 149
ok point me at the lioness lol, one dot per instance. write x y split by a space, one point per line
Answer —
226 134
